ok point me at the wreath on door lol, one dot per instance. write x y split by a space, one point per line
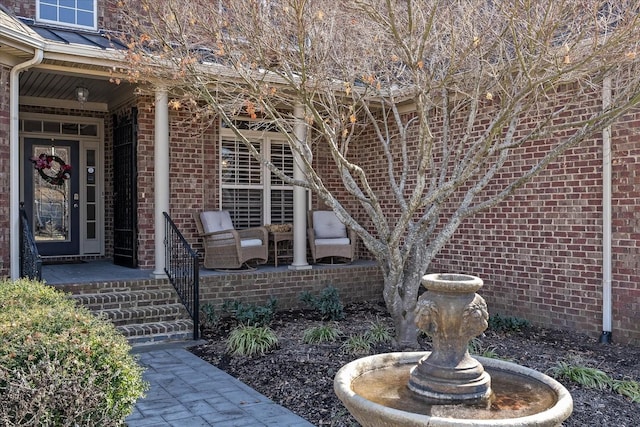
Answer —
51 168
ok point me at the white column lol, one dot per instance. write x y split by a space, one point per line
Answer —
161 176
299 200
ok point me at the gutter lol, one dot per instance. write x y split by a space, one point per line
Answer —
605 338
14 158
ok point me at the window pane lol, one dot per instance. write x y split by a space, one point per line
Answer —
70 128
85 18
85 5
51 127
238 166
282 157
68 3
91 194
91 212
89 130
67 15
48 12
91 157
91 230
244 205
281 206
32 126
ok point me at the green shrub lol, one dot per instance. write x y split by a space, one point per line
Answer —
500 323
250 340
628 388
357 344
209 317
476 347
583 375
322 333
251 314
327 303
59 364
378 333
594 378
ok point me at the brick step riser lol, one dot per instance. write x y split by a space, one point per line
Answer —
162 338
158 315
147 333
114 287
127 300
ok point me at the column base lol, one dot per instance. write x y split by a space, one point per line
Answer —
300 267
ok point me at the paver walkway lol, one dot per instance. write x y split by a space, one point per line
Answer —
186 391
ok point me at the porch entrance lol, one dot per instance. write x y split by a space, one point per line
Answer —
62 184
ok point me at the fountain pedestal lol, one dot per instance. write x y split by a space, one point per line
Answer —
451 313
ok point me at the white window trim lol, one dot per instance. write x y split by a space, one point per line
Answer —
66 24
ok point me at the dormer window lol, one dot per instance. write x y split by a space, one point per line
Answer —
69 13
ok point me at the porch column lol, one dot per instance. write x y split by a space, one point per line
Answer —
160 176
299 199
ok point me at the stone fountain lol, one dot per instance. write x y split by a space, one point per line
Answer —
448 387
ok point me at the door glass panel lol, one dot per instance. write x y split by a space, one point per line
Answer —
91 216
51 194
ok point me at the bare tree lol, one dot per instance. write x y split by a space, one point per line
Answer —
443 92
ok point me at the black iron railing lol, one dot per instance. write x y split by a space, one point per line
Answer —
30 259
182 265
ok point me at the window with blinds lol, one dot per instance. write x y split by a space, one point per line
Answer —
249 191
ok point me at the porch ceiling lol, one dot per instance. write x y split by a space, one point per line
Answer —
61 85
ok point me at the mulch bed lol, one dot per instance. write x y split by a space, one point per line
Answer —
299 376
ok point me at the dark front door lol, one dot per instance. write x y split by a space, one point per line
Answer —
125 135
51 194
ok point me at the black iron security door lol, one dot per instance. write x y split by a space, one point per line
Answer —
125 187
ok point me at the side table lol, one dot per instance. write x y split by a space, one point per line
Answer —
277 237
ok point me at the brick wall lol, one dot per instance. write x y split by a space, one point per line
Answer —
540 251
354 283
626 227
5 172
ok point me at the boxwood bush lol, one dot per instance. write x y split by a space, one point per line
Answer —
59 364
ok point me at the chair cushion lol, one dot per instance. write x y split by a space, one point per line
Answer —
326 225
344 241
245 243
215 221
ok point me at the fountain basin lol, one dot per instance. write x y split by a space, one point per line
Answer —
374 390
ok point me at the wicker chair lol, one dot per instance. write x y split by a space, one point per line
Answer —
328 237
227 248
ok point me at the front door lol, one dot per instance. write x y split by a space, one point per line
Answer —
51 194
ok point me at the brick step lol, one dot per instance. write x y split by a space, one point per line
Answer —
115 286
126 300
149 333
144 311
146 314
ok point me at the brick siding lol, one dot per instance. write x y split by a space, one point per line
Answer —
540 251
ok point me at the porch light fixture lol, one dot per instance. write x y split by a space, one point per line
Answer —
82 94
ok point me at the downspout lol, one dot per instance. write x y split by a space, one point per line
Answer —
14 159
605 338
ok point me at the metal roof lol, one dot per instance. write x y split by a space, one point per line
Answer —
99 39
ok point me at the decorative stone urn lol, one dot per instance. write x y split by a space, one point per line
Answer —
447 387
452 314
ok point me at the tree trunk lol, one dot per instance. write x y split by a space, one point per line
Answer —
401 296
